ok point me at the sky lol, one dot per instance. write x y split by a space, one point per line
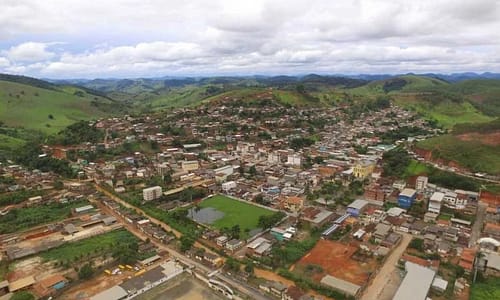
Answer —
150 38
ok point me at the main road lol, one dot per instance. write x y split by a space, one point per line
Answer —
246 289
376 287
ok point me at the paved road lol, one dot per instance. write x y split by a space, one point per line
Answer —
478 224
248 290
375 289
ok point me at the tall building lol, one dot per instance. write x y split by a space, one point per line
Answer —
151 193
435 202
363 169
421 183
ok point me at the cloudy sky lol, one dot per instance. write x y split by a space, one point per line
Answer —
147 38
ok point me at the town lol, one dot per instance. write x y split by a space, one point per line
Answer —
246 199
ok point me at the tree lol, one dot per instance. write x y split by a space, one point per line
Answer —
86 272
232 264
22 295
186 243
249 268
252 171
417 244
235 231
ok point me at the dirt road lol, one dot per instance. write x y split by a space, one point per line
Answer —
374 290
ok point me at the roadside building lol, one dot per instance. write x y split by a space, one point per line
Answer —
151 193
357 207
435 202
416 283
406 198
363 169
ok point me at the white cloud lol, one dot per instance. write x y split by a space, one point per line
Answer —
4 62
29 52
157 37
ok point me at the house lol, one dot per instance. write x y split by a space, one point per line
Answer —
227 186
357 207
234 245
435 202
151 193
293 293
391 240
317 217
259 247
381 232
363 169
49 286
273 287
221 240
280 234
450 198
492 230
292 203
467 259
407 197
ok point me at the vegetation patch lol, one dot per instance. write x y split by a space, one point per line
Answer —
22 218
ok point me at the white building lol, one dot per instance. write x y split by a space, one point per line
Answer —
435 202
294 160
227 186
151 193
450 198
421 183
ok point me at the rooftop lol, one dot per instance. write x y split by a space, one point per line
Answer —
416 283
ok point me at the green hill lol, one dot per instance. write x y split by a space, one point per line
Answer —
48 110
474 146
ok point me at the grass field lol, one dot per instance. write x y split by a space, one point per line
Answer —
93 246
487 290
475 156
22 105
235 213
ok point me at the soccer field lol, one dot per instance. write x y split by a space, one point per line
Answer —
235 213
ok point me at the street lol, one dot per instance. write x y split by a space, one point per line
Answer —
375 289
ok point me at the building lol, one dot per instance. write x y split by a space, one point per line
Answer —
151 193
294 160
381 232
292 203
343 286
357 207
435 202
363 169
190 165
227 186
450 198
259 247
421 183
50 285
317 217
234 245
416 283
221 240
114 293
407 197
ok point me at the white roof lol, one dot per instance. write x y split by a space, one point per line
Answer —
340 285
493 261
407 192
257 242
416 283
395 211
358 204
440 283
437 196
114 293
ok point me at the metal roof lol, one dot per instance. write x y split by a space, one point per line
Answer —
114 293
341 285
416 283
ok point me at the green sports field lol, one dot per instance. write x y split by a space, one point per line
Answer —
235 213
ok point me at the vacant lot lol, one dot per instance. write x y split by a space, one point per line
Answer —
235 213
91 247
334 258
23 218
